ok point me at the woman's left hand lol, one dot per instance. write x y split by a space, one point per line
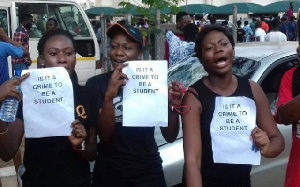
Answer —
175 94
78 133
260 140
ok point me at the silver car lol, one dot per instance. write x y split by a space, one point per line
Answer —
273 60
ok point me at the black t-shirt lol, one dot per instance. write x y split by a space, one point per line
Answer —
52 161
217 174
240 34
132 150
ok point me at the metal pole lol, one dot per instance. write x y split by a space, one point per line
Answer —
106 65
128 19
234 27
157 37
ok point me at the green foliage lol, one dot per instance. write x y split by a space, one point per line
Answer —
148 9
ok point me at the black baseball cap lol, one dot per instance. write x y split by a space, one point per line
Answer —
134 33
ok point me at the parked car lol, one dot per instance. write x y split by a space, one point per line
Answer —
273 59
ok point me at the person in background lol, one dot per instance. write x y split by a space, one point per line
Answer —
292 29
21 36
290 12
5 38
17 159
287 113
212 20
182 19
215 50
252 24
275 35
283 26
181 49
8 49
259 32
40 24
264 25
51 24
240 32
57 160
248 32
127 156
202 23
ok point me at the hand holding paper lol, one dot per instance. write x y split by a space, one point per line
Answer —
175 94
118 78
78 133
261 140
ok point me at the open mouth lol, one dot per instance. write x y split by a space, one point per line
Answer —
119 61
221 60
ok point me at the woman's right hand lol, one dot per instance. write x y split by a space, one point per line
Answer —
118 79
8 88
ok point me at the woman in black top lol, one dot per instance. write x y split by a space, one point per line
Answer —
127 156
58 161
215 50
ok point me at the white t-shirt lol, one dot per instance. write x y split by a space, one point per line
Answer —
261 33
275 36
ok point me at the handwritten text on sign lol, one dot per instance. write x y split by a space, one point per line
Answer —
146 92
48 102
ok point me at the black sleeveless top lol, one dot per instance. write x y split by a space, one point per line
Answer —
218 174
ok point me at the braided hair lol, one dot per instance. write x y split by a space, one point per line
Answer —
49 34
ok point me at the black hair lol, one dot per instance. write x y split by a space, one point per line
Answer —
275 24
49 34
54 20
257 24
190 32
239 23
122 22
179 15
25 17
254 19
224 23
206 30
246 23
212 20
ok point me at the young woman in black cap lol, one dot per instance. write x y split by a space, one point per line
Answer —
127 156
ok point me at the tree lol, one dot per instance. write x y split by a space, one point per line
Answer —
147 9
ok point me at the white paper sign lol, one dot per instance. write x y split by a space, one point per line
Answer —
145 96
233 120
48 102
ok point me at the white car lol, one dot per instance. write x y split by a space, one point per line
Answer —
273 60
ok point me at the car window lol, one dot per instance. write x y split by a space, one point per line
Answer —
271 78
244 67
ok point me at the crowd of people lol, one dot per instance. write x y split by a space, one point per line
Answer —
129 156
